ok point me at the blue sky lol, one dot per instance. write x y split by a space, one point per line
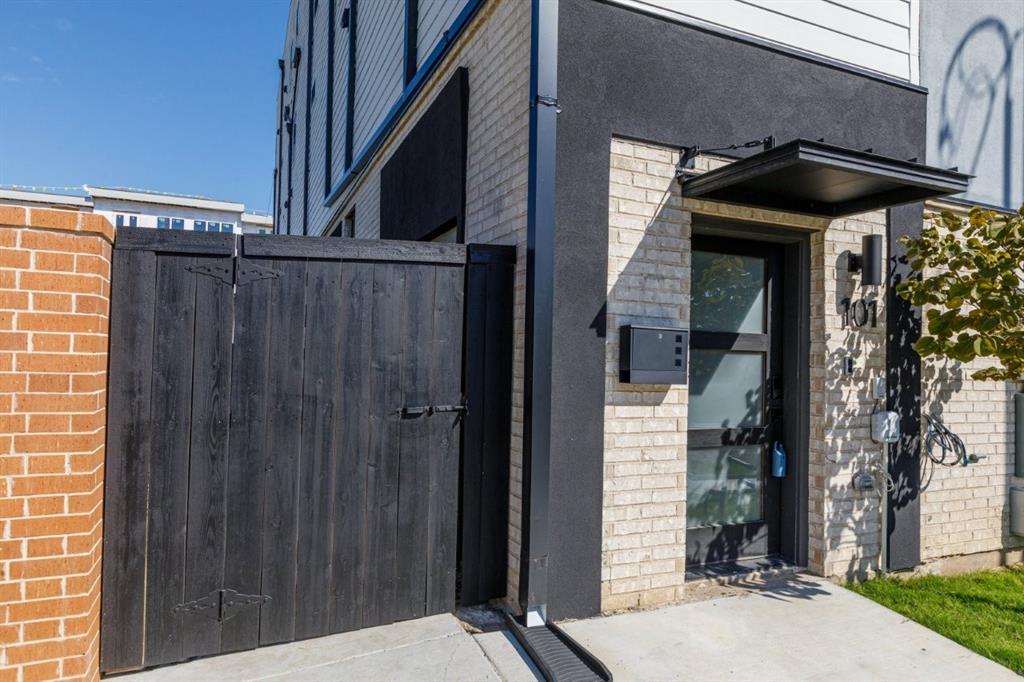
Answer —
170 95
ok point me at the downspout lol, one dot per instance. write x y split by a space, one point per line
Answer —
533 559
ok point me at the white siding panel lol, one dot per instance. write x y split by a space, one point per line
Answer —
435 16
817 26
841 20
340 94
379 56
299 147
318 119
894 12
294 141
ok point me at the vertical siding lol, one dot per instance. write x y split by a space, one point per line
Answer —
379 81
289 148
318 120
379 58
341 38
287 91
878 35
299 116
435 16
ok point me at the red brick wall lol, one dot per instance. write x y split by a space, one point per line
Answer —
54 307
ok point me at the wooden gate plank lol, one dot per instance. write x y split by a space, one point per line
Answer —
211 380
279 464
378 569
169 456
445 440
250 361
347 588
287 338
414 442
321 401
128 438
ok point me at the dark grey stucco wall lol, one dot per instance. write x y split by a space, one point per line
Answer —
624 73
972 61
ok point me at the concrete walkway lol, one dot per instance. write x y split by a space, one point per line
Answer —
796 628
435 648
793 628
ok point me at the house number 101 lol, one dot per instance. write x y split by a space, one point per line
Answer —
858 313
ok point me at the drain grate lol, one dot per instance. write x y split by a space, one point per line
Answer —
557 655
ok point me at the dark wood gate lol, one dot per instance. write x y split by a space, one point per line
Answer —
294 426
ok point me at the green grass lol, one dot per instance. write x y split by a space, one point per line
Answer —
984 611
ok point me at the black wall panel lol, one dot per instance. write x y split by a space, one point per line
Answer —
903 370
621 72
423 184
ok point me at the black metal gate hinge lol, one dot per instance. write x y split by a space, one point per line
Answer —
221 272
240 272
246 271
220 605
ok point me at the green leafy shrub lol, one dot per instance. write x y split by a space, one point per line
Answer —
973 282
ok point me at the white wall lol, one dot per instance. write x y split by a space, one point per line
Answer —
880 35
148 213
972 62
379 83
380 55
435 16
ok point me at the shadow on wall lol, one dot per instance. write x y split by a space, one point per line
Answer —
853 518
951 396
976 89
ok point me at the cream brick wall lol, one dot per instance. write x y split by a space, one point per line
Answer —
644 509
964 510
844 525
495 48
644 519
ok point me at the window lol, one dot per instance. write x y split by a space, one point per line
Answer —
348 228
227 227
177 224
133 221
212 227
449 236
119 220
163 223
199 225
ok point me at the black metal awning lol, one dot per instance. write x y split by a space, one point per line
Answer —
824 180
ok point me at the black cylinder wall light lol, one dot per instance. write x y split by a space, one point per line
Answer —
869 262
872 255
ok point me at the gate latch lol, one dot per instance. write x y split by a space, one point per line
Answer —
220 605
427 410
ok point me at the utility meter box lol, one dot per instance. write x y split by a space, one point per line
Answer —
652 355
885 427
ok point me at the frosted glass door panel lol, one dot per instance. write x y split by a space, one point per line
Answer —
725 389
723 486
728 293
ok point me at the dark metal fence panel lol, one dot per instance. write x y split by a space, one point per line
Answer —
285 435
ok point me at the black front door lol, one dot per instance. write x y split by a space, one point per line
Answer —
735 404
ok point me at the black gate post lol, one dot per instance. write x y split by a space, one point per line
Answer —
487 427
